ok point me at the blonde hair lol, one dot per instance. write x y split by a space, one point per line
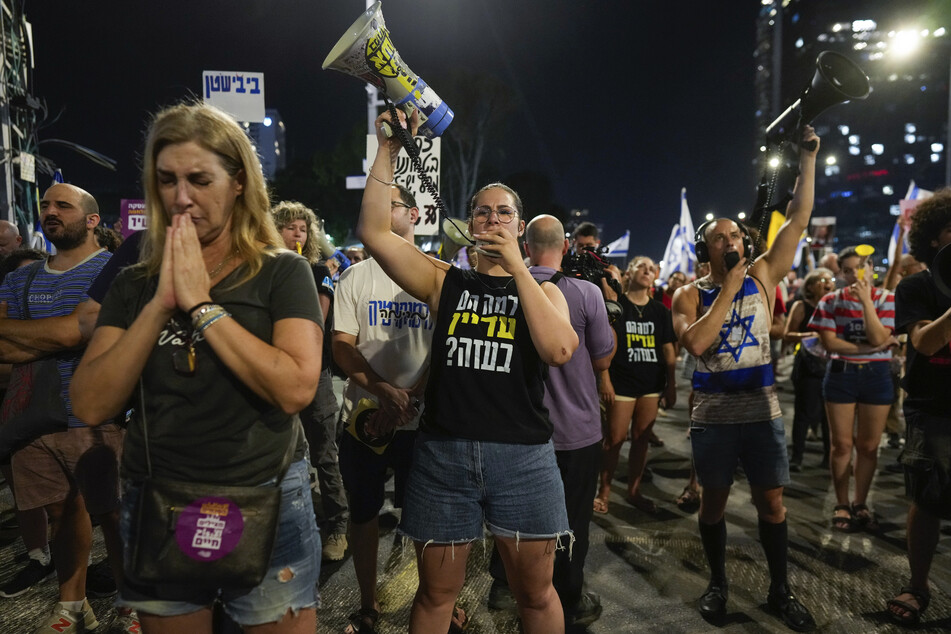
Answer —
625 280
286 212
217 132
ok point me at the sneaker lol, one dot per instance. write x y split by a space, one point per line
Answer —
501 597
31 575
335 547
586 611
127 622
63 621
99 580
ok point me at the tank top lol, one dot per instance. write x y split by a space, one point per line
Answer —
486 380
733 382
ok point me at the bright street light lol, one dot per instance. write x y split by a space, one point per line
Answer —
710 215
905 42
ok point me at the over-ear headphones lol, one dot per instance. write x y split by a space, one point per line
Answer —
700 241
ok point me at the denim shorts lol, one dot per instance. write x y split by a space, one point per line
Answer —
867 383
364 473
456 486
759 447
927 461
297 547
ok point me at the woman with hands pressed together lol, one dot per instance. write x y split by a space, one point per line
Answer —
856 326
221 326
484 452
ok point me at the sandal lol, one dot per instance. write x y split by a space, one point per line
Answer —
363 621
600 505
843 523
913 614
689 500
654 441
863 518
460 621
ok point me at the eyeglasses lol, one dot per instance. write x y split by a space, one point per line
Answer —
505 214
396 203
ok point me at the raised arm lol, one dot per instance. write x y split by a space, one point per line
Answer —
894 259
419 275
776 262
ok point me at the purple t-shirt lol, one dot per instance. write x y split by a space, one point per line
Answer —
571 392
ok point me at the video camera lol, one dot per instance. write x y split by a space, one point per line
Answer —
591 265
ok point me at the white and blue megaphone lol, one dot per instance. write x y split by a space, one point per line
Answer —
366 51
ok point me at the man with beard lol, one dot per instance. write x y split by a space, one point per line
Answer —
71 473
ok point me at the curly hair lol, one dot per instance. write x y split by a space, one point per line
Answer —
930 218
286 212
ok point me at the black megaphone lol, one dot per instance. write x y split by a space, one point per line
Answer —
837 80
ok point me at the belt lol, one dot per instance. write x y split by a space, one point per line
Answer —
841 365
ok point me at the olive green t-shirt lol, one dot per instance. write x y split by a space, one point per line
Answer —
210 427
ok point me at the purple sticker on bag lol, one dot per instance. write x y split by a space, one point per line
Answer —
209 528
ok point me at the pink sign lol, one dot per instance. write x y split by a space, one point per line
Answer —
132 216
209 528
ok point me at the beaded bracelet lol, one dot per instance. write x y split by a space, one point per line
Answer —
204 310
200 324
208 322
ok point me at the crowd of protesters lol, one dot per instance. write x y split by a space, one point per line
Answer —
478 382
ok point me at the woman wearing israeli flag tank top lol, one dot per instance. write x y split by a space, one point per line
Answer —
484 455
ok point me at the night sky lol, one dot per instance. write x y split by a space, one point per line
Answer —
619 103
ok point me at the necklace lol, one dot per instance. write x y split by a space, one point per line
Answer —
503 287
183 359
640 311
215 271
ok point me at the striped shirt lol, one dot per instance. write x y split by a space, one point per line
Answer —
54 294
841 312
734 382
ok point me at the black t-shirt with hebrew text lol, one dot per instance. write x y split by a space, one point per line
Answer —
486 380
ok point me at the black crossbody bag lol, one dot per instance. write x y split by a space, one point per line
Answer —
208 535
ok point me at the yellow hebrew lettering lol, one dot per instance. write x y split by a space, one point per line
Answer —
507 328
490 331
452 324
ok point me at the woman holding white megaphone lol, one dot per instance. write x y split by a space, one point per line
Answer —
856 325
484 455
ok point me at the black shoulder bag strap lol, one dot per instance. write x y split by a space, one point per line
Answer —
34 269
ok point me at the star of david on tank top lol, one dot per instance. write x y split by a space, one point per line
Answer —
745 326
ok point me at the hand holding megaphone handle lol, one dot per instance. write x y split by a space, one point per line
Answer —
810 145
426 183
